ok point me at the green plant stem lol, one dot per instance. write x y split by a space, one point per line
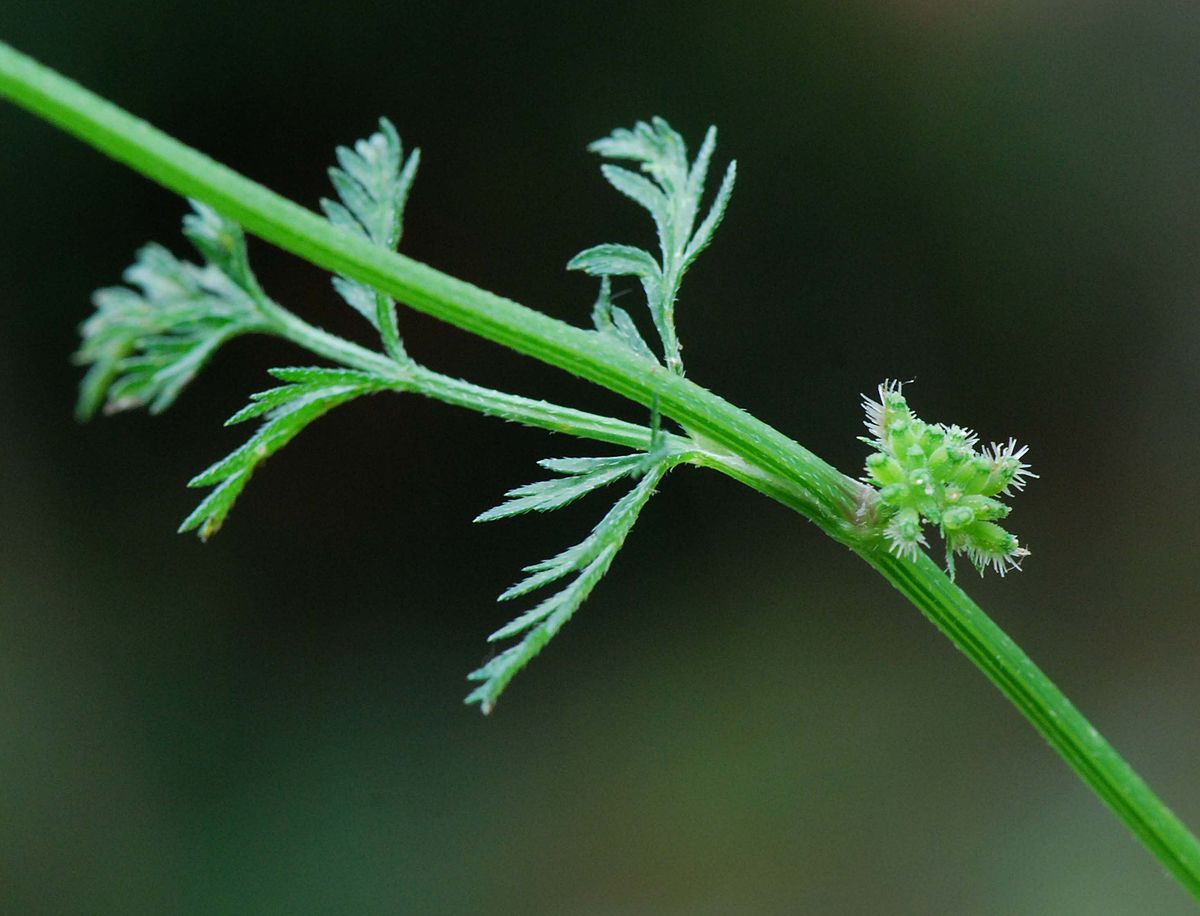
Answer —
1069 733
1027 687
731 440
290 326
529 412
409 376
834 497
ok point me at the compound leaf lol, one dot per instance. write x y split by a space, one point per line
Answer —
285 410
373 180
146 341
589 561
671 190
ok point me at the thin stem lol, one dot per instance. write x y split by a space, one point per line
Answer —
1043 704
831 495
413 377
732 441
529 412
291 326
1016 675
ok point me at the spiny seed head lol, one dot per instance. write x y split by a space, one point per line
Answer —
931 473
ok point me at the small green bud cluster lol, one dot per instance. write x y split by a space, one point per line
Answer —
930 472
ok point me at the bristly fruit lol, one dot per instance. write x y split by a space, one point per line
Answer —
930 472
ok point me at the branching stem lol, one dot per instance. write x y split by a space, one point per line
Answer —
412 377
730 440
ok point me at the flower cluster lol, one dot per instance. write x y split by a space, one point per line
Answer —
930 472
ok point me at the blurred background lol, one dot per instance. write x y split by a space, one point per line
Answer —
996 199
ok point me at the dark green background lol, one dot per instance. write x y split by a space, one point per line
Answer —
999 201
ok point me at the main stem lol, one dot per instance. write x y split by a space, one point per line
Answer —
733 441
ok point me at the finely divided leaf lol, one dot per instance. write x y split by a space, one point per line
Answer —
372 182
286 410
222 243
146 341
589 560
583 475
656 145
671 191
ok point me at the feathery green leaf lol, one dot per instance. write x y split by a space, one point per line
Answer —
590 560
221 243
373 183
672 194
286 410
147 340
583 475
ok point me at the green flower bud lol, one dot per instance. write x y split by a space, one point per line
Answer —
958 517
930 473
884 469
